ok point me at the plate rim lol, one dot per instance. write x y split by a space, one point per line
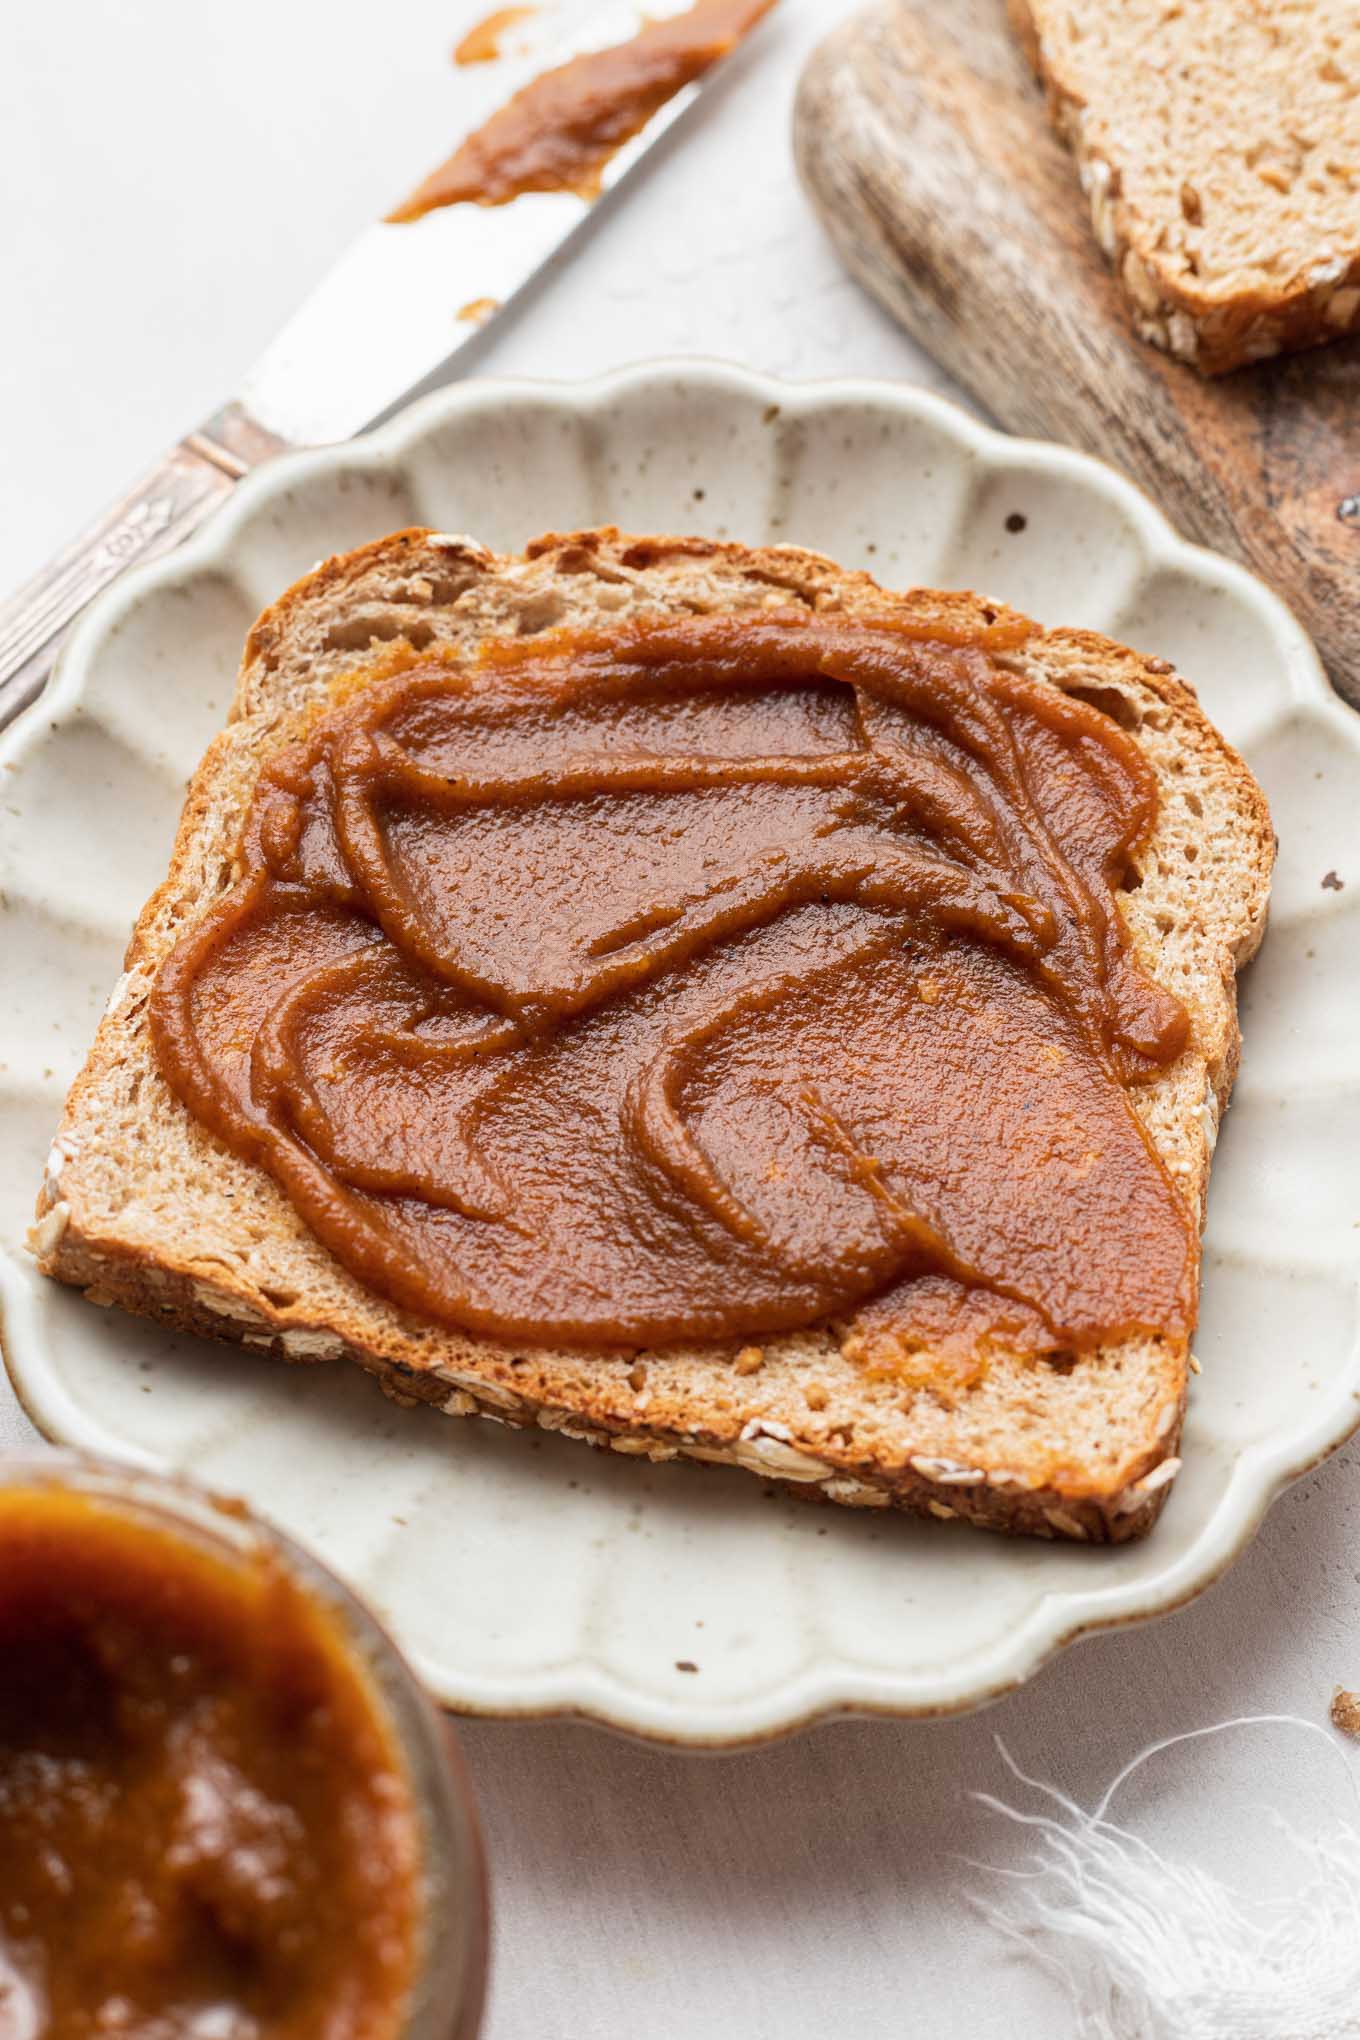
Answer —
581 1688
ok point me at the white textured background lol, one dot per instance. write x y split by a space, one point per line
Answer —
172 179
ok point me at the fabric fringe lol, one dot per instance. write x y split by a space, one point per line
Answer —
1150 1948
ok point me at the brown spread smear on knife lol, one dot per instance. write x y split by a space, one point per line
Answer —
703 979
483 44
561 130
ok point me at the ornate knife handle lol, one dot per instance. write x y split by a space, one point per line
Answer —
164 507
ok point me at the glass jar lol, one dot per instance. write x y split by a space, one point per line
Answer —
445 2001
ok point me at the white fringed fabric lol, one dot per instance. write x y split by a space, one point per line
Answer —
1154 1949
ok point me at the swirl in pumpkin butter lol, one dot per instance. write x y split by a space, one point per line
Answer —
701 979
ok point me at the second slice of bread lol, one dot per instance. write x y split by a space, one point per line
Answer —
143 1208
1218 146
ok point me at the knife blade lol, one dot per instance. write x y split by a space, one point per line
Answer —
341 364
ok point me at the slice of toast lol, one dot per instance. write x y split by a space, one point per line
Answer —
1218 146
142 1207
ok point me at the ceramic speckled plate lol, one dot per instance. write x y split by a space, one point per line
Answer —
525 1575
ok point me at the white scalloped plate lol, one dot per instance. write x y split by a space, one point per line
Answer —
525 1575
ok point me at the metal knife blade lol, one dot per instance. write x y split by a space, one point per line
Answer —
344 360
340 364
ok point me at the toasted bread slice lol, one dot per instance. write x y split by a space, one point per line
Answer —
1219 149
144 1208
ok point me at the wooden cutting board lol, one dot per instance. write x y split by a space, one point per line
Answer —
925 145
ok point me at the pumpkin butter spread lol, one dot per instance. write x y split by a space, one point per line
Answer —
206 1824
700 979
561 131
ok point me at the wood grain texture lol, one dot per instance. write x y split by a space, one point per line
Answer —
922 138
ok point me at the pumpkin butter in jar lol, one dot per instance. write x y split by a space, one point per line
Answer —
226 1813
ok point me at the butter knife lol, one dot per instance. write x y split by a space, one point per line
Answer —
340 364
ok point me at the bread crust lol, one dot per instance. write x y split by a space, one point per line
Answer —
1215 330
142 1208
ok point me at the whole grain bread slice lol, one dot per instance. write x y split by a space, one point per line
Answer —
142 1207
1218 146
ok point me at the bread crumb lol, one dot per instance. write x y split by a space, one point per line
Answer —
637 1377
750 1359
1345 1711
